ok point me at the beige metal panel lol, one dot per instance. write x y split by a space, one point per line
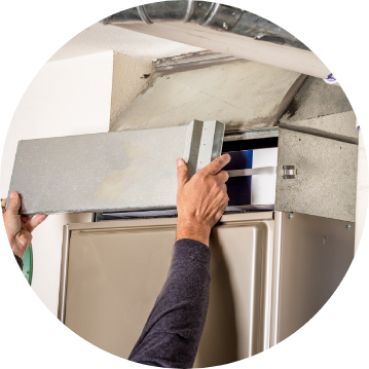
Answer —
325 183
239 94
234 324
272 285
116 270
315 255
114 278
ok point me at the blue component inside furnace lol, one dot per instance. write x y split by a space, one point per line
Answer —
239 188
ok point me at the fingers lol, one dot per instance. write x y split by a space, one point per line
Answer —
223 187
217 165
182 173
14 203
3 204
26 218
222 205
222 177
34 222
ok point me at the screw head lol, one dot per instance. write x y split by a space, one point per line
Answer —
290 216
225 25
348 226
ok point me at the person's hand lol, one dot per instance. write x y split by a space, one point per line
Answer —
201 201
19 228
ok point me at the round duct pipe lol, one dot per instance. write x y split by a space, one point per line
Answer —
207 14
173 18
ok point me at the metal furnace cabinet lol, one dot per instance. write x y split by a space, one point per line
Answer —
270 273
274 264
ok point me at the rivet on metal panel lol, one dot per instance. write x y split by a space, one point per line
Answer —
290 216
348 226
289 171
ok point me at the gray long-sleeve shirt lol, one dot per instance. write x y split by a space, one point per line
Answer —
173 330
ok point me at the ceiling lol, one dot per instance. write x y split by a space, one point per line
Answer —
98 38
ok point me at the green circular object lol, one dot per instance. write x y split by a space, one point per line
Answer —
27 264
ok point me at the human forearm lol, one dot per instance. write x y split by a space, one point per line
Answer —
172 333
194 231
173 330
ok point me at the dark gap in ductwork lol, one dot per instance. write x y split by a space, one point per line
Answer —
241 145
276 40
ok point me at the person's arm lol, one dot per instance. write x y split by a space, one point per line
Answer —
173 330
172 333
19 228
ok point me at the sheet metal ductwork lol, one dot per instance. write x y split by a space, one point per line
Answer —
208 14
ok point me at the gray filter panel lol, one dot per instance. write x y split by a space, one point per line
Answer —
130 170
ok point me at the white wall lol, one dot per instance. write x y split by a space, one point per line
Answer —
67 97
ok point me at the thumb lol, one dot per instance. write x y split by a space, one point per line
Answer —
14 203
182 173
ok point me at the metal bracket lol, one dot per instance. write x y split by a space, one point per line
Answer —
251 172
289 172
203 144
